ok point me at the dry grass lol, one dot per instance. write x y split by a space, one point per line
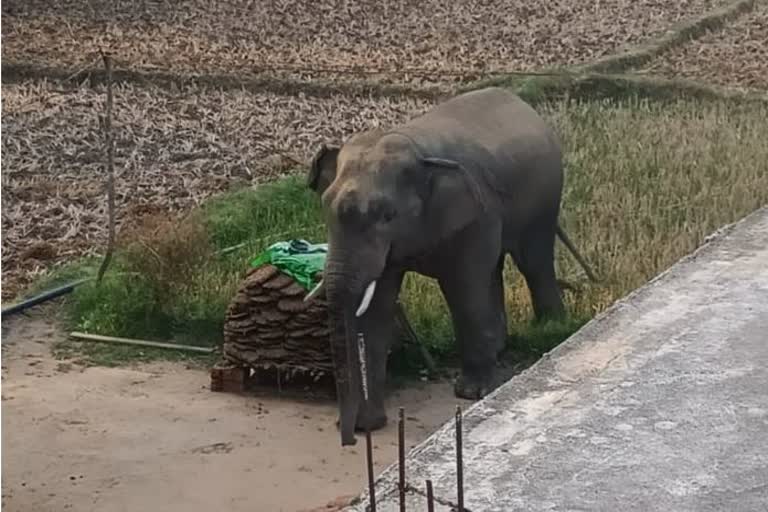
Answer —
736 57
167 252
402 41
645 184
173 149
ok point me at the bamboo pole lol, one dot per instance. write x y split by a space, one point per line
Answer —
141 343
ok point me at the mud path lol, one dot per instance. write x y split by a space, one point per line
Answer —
154 437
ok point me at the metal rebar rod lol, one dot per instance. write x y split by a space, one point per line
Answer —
430 497
369 462
401 456
459 462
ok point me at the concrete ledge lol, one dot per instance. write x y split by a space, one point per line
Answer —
660 403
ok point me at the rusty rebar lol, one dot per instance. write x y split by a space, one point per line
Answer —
459 462
369 462
430 497
401 456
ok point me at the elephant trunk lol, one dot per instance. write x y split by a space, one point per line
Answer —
343 292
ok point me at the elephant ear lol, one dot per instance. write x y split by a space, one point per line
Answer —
322 169
453 196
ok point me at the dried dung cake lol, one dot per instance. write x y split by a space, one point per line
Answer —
269 325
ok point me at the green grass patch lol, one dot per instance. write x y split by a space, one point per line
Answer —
645 183
261 216
536 338
170 279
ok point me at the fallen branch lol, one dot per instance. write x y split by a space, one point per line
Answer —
565 285
141 343
405 325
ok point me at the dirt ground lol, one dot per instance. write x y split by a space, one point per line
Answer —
154 437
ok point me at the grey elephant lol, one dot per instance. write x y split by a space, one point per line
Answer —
448 195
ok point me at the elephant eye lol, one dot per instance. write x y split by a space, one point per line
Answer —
347 209
387 213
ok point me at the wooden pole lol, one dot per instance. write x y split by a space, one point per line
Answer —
110 170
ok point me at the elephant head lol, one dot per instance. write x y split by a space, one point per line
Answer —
385 202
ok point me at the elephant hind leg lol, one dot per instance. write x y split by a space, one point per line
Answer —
534 255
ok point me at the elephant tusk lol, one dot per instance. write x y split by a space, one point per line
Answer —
367 298
315 291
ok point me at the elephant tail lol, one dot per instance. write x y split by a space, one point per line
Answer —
579 258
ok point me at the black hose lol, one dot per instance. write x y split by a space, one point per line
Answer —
43 297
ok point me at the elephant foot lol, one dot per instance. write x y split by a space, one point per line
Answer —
474 388
372 419
372 416
371 422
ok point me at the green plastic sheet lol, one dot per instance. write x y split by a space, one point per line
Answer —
297 258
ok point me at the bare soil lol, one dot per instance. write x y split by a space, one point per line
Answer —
154 437
736 56
396 41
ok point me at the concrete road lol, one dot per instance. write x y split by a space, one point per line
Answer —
659 404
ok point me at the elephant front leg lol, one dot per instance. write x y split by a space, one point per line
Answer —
480 323
378 328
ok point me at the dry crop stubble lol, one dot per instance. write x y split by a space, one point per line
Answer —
402 41
736 56
173 149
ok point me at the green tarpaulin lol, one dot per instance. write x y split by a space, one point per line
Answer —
297 258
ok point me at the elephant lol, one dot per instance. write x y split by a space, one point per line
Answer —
447 195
